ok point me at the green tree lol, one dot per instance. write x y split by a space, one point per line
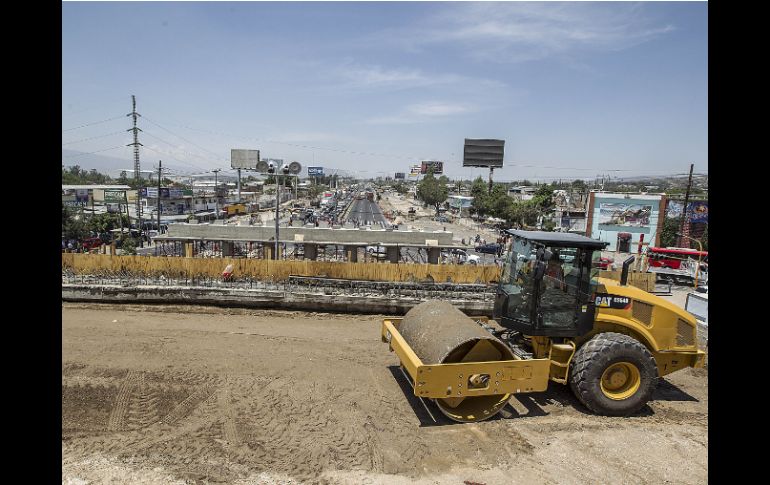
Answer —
71 227
102 223
498 202
480 194
432 191
668 235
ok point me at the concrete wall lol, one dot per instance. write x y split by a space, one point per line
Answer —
256 299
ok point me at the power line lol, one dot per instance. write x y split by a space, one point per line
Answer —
90 153
309 147
172 156
185 152
185 139
93 138
94 123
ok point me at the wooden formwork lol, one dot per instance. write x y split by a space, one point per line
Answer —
278 270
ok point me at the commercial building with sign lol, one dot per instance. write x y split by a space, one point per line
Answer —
626 221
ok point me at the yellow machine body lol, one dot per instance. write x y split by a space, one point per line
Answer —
669 333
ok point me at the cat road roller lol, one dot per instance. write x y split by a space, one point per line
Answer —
554 320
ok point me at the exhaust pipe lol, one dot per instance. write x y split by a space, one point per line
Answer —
624 273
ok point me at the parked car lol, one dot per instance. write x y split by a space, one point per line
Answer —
605 263
461 256
377 252
91 243
441 219
491 248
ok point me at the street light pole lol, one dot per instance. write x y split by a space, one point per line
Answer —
216 196
700 250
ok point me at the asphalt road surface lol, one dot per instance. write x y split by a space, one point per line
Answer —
366 213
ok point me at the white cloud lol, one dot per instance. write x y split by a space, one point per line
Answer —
375 76
423 112
520 31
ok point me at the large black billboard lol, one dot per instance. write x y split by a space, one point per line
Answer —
483 153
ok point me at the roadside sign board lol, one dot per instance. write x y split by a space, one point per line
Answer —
244 159
483 153
315 171
438 167
114 196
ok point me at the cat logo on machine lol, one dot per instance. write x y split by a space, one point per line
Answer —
604 300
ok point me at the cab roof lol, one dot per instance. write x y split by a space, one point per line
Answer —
559 239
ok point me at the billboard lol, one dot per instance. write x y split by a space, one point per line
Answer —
152 192
115 196
623 215
414 170
81 196
483 153
698 210
400 175
438 167
315 171
244 159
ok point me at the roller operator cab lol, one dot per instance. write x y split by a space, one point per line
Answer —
555 320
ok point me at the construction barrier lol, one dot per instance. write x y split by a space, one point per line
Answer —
642 280
272 270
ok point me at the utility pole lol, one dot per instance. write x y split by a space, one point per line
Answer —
216 195
137 174
160 164
277 205
192 201
239 185
684 226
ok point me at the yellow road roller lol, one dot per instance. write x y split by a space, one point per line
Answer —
554 320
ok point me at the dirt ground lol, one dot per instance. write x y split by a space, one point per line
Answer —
205 395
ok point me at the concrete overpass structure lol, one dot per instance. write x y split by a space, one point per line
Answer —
311 239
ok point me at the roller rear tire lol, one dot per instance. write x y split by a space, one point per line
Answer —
613 374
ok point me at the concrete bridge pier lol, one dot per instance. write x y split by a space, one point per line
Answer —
311 252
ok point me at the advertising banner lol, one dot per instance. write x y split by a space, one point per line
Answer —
315 171
244 159
438 167
699 211
400 175
81 195
483 153
623 215
114 196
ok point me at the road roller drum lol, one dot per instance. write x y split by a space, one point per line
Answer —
439 333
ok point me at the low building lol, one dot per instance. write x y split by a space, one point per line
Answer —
460 203
522 193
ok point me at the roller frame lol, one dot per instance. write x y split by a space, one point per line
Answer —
450 380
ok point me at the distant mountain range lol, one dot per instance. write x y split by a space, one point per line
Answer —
105 164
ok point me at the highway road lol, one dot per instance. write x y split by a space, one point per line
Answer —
367 213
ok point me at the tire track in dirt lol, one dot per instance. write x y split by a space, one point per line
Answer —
116 421
143 411
191 402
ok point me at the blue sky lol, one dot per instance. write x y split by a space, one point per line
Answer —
374 87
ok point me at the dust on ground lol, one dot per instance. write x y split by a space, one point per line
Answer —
204 395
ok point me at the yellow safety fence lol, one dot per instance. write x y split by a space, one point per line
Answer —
277 270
